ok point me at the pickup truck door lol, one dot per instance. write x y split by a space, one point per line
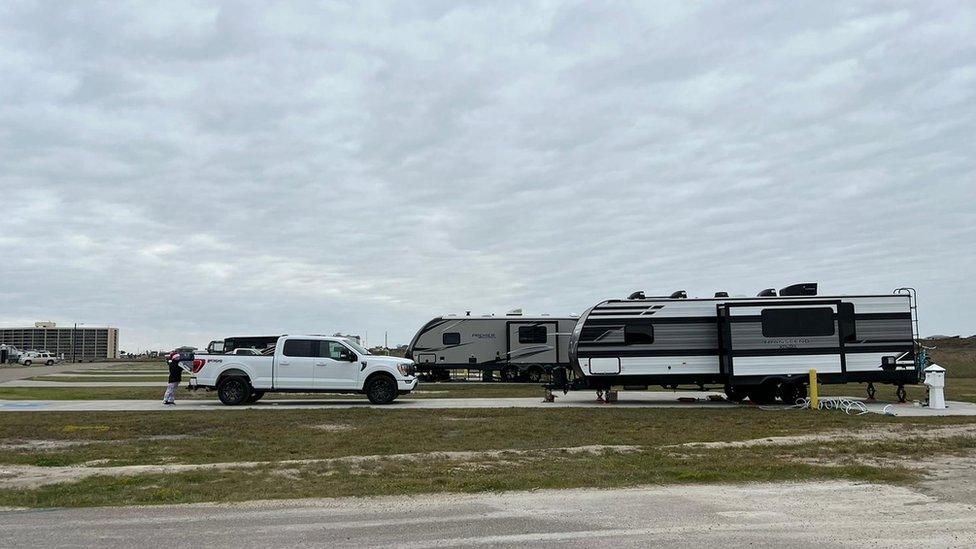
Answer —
294 365
337 367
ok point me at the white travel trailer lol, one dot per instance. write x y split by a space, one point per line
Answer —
761 347
515 346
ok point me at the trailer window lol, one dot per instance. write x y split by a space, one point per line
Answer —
451 338
299 348
806 322
845 319
638 334
602 334
532 334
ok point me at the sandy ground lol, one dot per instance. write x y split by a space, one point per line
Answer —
829 514
30 476
875 433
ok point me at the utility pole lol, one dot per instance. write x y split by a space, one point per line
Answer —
386 340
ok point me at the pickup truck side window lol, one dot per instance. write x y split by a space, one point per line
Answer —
299 348
333 350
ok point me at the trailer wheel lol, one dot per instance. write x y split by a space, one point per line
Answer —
381 389
763 394
535 374
789 392
255 396
234 390
510 374
734 394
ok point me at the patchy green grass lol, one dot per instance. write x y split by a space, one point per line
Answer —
116 439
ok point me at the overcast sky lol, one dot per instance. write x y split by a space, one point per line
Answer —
189 171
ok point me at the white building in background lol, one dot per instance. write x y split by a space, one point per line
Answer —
83 343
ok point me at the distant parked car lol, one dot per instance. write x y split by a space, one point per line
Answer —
39 357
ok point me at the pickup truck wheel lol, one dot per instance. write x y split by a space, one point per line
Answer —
255 396
49 363
381 389
234 391
27 363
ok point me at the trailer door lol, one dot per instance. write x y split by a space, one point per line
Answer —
780 338
532 343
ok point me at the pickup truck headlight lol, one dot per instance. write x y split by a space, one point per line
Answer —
405 369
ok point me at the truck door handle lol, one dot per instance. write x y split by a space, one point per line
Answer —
284 363
321 364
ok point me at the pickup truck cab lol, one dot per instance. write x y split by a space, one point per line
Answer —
304 364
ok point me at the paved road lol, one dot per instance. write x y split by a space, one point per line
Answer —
831 514
641 399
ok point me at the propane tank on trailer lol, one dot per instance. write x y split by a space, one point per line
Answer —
935 380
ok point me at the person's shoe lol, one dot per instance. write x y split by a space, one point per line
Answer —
169 403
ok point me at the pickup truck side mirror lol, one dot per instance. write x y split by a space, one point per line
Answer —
348 356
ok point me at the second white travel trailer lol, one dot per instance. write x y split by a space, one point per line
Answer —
761 347
515 346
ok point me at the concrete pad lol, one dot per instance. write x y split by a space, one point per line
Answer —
637 399
811 514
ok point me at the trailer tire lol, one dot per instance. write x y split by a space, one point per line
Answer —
789 392
510 374
763 394
255 396
234 390
733 394
535 374
381 389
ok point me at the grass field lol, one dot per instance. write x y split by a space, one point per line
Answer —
288 453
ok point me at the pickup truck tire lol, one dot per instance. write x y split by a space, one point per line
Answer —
381 389
49 363
234 390
27 363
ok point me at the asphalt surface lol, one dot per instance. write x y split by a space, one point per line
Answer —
832 514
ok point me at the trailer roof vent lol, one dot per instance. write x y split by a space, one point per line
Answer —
805 288
721 294
768 292
680 294
514 312
637 295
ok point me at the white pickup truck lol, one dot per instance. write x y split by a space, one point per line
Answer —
304 364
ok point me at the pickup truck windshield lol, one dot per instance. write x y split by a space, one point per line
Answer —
359 349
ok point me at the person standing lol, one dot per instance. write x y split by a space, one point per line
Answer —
175 377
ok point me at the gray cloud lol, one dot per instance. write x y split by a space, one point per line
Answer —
191 170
